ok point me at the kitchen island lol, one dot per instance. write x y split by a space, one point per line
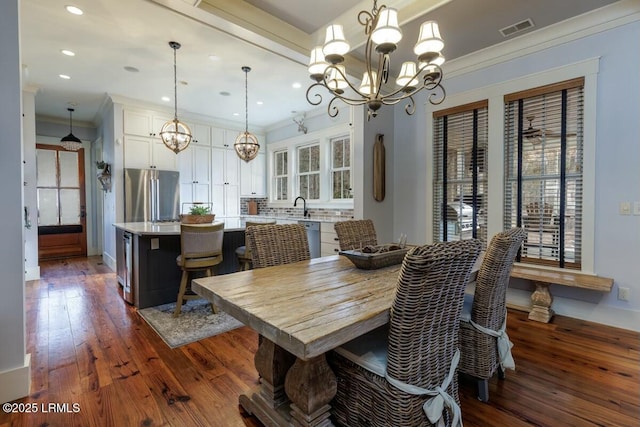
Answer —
149 273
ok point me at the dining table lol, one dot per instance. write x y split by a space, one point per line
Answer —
301 311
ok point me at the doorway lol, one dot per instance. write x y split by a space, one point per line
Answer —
60 186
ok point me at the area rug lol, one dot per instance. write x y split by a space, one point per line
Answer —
195 323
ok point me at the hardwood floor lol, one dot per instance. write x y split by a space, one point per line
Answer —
92 351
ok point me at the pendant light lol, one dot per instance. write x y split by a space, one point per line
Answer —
175 134
71 142
246 144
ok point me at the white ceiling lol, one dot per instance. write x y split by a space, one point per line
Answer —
113 34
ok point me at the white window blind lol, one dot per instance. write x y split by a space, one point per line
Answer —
309 172
543 171
460 171
341 168
280 175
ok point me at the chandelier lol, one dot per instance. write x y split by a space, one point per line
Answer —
71 142
382 30
246 144
175 134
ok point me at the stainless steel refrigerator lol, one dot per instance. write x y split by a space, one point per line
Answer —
151 195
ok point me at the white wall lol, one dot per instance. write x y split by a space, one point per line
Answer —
14 362
617 150
365 206
31 265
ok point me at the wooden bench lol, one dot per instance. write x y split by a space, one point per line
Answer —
543 277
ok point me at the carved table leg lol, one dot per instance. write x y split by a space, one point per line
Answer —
311 385
541 298
269 402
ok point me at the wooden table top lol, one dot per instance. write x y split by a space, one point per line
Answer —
308 307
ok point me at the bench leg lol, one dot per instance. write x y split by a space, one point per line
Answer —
541 299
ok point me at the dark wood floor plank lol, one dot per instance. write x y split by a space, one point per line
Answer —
91 348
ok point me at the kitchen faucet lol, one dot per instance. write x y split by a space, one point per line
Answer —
306 212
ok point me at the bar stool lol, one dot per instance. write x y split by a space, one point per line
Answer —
243 252
200 250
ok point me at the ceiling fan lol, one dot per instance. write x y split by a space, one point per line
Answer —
535 135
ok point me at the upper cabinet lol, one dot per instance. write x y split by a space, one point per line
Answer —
144 123
253 175
143 148
148 153
200 134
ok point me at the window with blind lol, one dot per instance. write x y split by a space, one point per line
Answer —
543 171
280 175
309 172
341 168
460 172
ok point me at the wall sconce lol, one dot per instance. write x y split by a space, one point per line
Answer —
104 177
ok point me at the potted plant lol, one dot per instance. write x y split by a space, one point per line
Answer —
198 214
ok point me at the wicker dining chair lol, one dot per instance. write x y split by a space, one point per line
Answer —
277 244
484 345
389 375
355 234
242 252
200 250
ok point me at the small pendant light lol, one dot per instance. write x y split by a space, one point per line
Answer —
71 142
246 144
175 134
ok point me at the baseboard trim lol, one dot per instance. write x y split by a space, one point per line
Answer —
16 383
32 273
109 261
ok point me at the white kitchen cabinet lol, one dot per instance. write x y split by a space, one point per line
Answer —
143 148
225 181
144 123
195 174
253 176
329 244
148 153
200 134
223 138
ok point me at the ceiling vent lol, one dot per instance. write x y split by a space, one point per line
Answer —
516 28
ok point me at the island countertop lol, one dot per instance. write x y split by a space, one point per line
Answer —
173 228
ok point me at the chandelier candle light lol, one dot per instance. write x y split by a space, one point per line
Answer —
71 142
382 30
175 134
246 144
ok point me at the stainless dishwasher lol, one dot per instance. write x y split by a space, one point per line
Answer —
313 235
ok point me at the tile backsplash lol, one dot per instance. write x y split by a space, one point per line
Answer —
265 209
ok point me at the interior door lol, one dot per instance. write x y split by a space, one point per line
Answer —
62 230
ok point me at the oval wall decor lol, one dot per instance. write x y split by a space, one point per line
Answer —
378 168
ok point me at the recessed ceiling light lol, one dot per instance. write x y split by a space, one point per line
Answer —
236 114
166 99
296 85
224 93
259 102
131 69
68 52
74 10
64 76
214 57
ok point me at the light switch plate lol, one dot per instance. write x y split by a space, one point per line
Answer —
636 208
625 208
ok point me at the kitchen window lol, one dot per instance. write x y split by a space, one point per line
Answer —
460 172
341 168
543 171
280 175
309 172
